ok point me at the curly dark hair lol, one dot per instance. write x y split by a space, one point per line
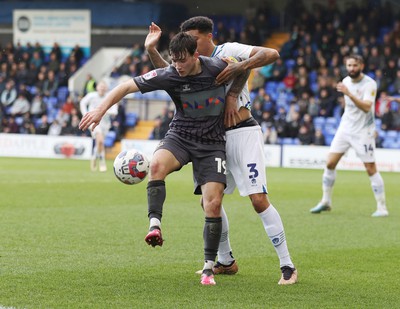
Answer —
201 23
181 44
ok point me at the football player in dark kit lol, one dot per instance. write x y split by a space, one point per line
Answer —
196 135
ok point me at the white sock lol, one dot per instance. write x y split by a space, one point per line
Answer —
274 227
155 222
224 249
328 180
208 264
378 187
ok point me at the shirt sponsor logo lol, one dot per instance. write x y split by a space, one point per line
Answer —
150 75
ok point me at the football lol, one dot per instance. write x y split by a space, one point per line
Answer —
131 166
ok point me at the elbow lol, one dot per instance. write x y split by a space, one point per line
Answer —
275 55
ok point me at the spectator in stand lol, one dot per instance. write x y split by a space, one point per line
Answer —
62 75
90 84
69 106
304 104
31 75
50 85
10 126
390 116
78 54
38 107
54 63
71 127
56 52
20 106
270 136
22 73
124 68
258 80
280 122
27 127
41 77
8 95
381 104
319 138
305 136
55 128
268 121
2 84
257 111
157 133
278 70
290 80
42 127
326 104
36 59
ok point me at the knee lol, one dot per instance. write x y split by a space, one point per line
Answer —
212 207
157 170
260 202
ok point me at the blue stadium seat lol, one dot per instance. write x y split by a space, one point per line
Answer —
290 64
62 94
288 141
328 139
378 123
131 119
391 134
19 120
110 139
319 122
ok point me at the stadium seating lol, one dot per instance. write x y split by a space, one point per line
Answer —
110 139
131 120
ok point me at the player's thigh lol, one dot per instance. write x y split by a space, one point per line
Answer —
340 143
246 161
163 163
208 166
364 146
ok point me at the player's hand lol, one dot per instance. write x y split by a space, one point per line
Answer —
233 69
231 112
90 120
342 88
153 36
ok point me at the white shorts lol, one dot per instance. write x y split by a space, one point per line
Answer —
363 144
245 161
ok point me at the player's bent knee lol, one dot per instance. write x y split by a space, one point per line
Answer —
260 202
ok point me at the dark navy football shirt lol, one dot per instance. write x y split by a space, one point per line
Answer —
199 102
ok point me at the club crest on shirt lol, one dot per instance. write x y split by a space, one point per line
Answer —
186 87
150 75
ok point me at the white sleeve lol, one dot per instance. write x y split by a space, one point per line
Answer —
238 50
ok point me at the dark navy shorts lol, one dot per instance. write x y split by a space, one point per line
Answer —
209 161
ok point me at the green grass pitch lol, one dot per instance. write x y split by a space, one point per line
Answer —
70 238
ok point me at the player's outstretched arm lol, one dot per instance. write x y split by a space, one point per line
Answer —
150 44
259 57
113 97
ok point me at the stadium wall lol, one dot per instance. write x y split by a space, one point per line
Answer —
289 156
296 156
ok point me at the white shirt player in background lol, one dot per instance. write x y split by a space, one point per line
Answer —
244 141
357 130
88 103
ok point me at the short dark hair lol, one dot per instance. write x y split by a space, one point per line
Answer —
356 57
181 44
201 23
